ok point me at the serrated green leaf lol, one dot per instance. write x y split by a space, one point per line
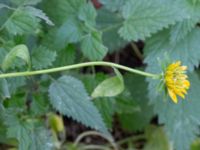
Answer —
181 29
25 2
20 51
68 96
42 57
87 13
21 22
144 17
92 47
29 133
41 139
185 50
106 106
156 139
66 56
39 14
110 24
113 5
110 87
70 32
62 9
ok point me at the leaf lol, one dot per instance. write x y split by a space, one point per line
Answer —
15 83
144 17
39 14
110 24
25 2
87 13
106 107
68 96
185 50
20 51
70 32
113 5
30 134
66 56
41 139
21 22
156 139
181 29
132 106
92 47
110 87
42 57
4 89
62 9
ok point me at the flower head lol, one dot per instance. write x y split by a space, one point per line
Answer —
176 80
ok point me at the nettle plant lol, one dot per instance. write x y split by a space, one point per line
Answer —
45 44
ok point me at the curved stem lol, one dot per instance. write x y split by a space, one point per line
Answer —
64 68
88 133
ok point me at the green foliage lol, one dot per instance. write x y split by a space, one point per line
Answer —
42 57
110 87
20 51
133 108
142 18
68 96
45 34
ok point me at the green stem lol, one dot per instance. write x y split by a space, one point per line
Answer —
80 65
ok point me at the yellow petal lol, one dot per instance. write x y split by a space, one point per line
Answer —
173 96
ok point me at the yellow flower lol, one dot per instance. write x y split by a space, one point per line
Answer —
176 81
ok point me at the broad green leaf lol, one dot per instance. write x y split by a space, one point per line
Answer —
63 9
42 57
41 139
25 2
133 107
70 32
68 96
30 134
66 56
92 47
110 87
21 22
110 24
187 50
39 14
144 17
20 51
87 13
113 5
181 29
156 139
